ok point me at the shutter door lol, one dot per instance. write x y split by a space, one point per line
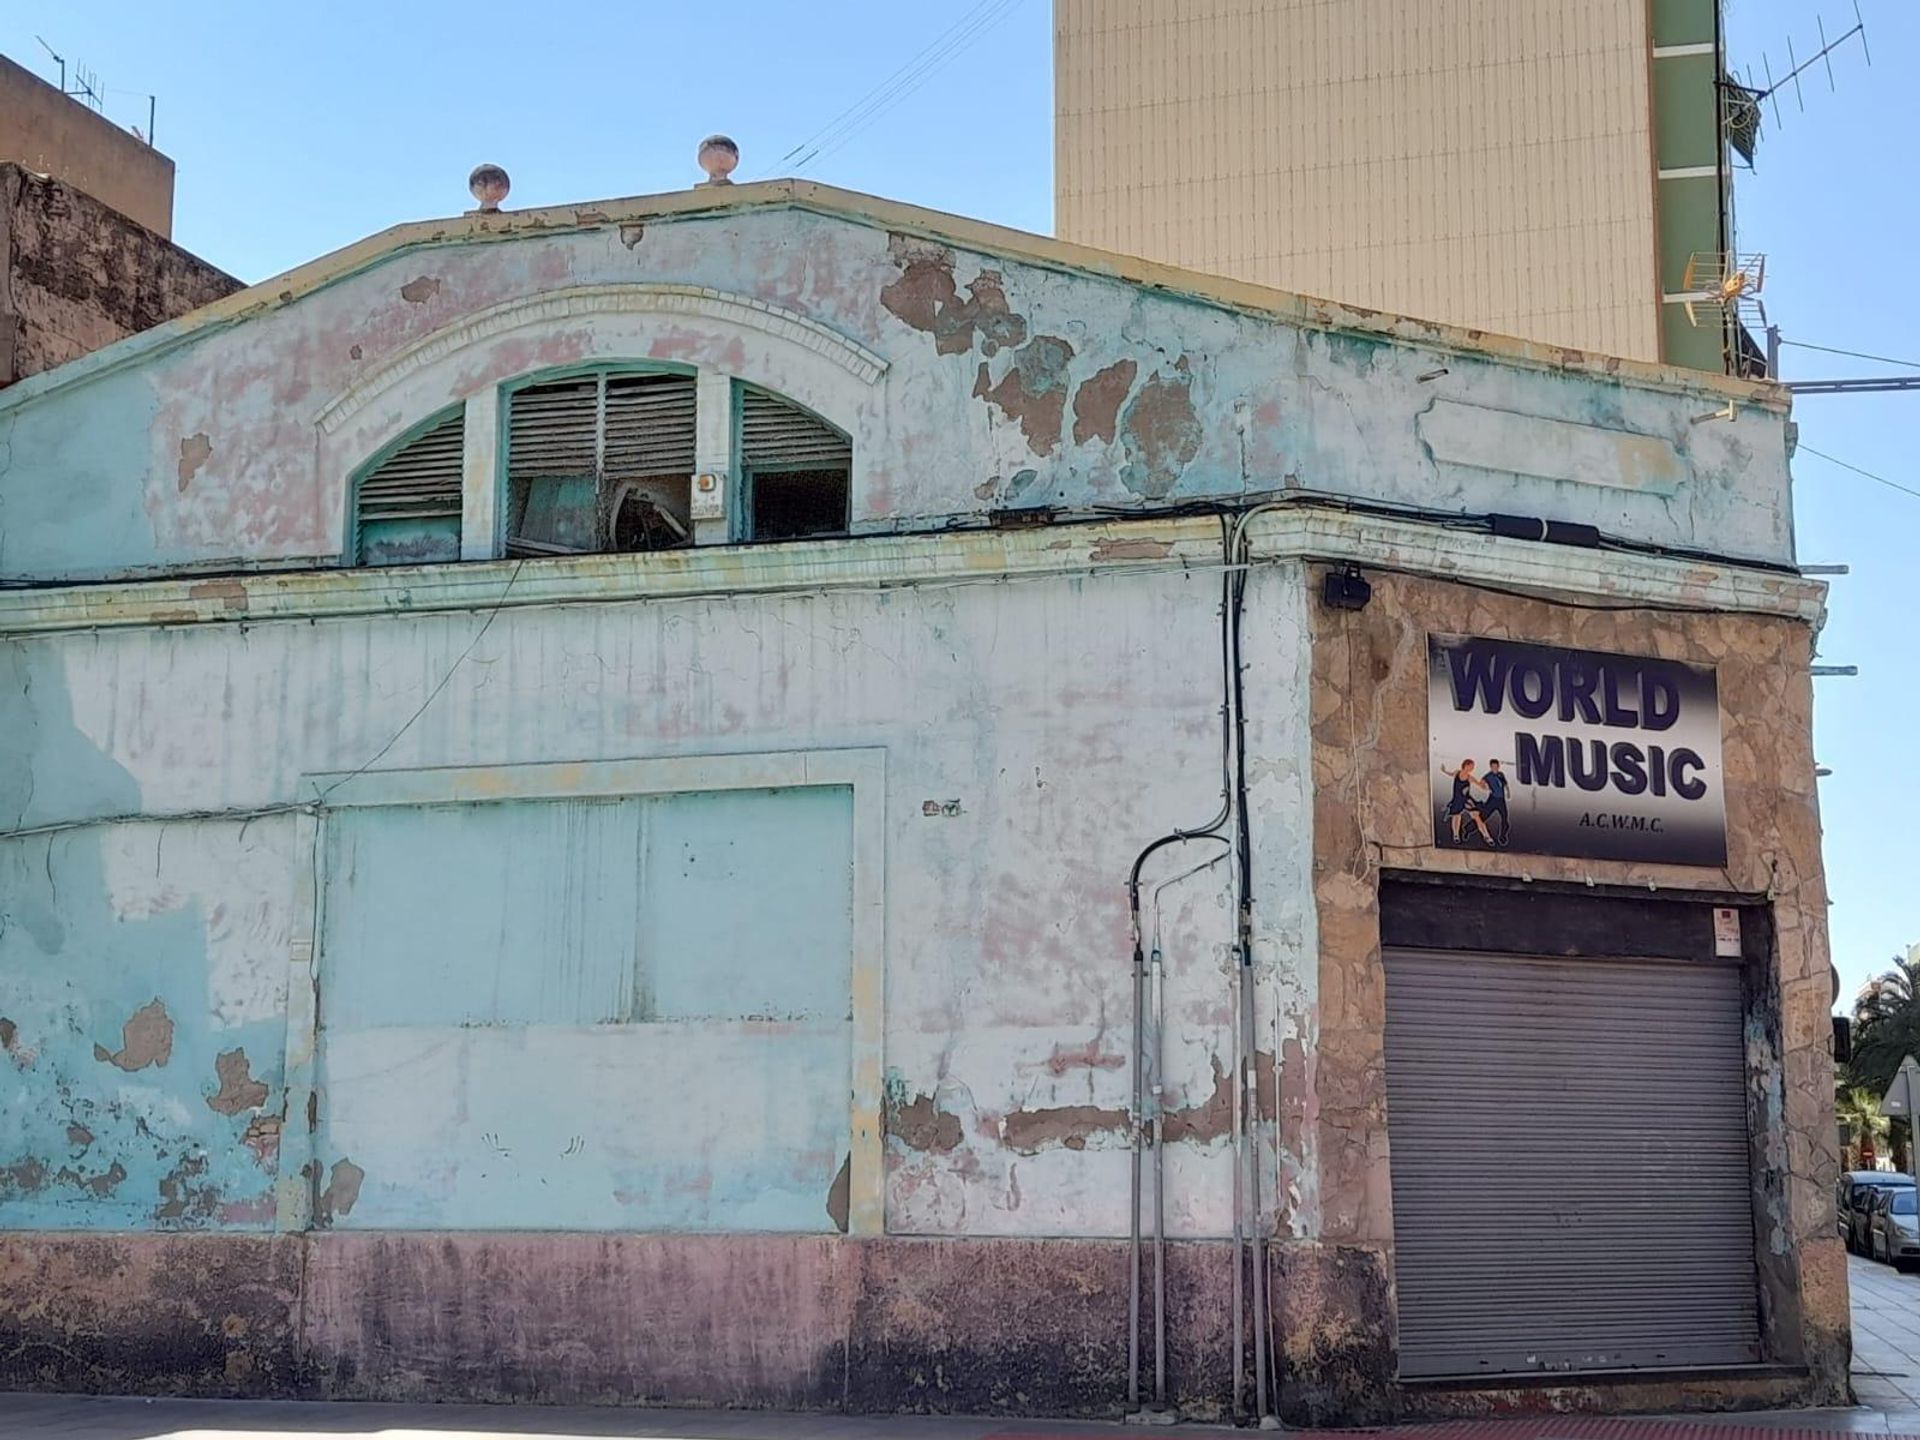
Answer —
1571 1177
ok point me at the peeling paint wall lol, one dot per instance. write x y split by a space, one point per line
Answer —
1055 725
141 979
1001 385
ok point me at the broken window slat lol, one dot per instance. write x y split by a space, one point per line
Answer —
601 462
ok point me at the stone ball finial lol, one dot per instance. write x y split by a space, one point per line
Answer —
718 156
489 185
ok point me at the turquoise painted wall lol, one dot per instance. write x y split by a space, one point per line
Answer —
596 1014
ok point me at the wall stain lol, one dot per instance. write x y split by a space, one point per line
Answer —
103 1184
1083 1057
925 296
146 1039
1096 404
238 1089
342 1192
839 1195
1071 1126
1160 433
920 1126
1201 1123
1110 549
262 1137
23 1177
420 290
232 594
30 1176
181 1200
79 1135
195 451
1017 487
9 1032
1033 391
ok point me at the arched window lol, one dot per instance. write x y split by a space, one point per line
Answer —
407 502
600 461
797 469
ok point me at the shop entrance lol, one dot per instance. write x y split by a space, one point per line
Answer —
1571 1162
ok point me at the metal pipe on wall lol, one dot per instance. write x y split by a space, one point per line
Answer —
1257 1237
1156 1094
1237 1103
1246 1185
1133 1209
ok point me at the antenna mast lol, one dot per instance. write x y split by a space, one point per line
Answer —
87 89
1741 100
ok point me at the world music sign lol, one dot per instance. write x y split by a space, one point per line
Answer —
1546 751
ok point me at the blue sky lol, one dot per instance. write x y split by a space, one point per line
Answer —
297 132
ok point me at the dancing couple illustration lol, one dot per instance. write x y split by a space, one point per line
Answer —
1479 811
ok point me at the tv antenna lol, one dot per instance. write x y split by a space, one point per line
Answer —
1742 100
85 85
87 89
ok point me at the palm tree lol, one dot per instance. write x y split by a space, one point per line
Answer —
1886 1023
1858 1110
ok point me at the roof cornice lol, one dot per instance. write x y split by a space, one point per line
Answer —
1304 311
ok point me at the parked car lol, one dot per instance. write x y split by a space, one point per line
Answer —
1857 1189
1893 1226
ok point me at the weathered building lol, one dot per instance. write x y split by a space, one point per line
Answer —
572 783
86 210
53 133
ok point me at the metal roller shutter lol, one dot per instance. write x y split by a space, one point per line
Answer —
1571 1175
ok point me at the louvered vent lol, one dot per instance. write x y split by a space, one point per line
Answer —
600 462
407 508
649 426
776 434
799 468
553 430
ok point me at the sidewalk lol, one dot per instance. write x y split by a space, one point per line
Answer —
67 1417
71 1417
1886 1340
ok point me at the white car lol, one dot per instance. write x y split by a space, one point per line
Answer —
1894 1227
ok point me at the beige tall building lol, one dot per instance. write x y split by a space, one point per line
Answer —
1540 168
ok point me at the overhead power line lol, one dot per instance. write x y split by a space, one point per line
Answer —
1853 354
1877 479
950 43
